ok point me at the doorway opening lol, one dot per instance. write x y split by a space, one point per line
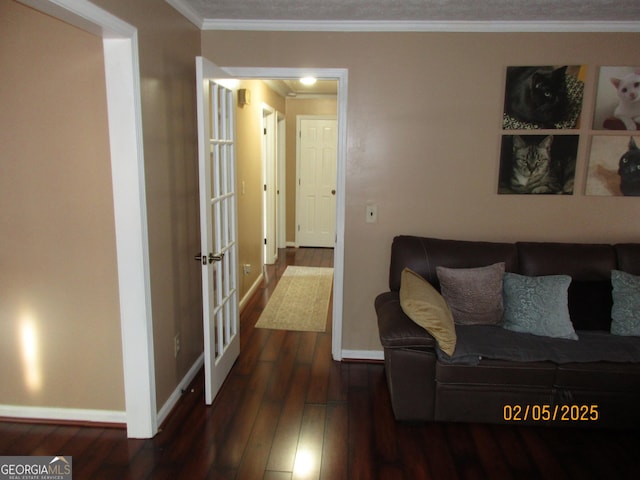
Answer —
339 78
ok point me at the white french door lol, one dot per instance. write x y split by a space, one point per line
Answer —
219 254
317 159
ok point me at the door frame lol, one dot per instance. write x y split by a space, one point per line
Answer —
270 214
282 180
299 119
122 75
341 75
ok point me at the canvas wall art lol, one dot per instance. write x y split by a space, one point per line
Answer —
614 166
537 164
543 97
618 99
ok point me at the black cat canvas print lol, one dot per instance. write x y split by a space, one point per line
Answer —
543 97
614 166
538 164
618 99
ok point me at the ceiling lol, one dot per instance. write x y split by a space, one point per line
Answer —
295 88
416 10
407 15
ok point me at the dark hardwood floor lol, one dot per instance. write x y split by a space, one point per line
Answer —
287 411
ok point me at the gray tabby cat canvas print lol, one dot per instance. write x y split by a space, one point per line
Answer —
538 164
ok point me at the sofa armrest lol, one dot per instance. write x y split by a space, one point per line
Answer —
395 328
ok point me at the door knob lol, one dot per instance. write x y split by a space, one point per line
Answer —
215 258
333 192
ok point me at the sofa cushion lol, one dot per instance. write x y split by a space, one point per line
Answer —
588 265
474 295
424 305
423 255
476 343
625 312
538 305
628 255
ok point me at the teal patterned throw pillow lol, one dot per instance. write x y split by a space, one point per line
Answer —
625 313
538 305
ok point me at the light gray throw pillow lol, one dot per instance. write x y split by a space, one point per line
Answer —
625 313
538 305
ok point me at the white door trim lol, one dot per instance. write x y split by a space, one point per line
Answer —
282 181
270 181
122 74
341 75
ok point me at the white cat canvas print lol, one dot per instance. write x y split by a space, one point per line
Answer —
618 99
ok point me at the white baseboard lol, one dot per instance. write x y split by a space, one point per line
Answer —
250 292
63 414
362 355
177 393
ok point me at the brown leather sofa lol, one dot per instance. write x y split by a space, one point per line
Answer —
423 387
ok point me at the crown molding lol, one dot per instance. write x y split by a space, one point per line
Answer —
187 12
417 26
398 26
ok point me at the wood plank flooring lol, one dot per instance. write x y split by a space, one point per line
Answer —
287 411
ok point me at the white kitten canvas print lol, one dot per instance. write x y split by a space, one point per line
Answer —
618 100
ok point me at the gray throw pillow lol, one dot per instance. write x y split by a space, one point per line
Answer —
474 295
625 313
538 305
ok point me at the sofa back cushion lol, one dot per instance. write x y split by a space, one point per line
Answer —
628 257
423 255
589 266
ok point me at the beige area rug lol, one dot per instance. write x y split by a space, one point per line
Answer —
300 301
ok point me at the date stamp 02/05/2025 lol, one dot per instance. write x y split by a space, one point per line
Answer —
546 413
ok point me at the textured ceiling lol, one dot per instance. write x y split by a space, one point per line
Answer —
419 10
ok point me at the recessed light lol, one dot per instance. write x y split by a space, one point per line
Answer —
308 81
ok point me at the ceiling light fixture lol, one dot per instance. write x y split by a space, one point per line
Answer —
308 81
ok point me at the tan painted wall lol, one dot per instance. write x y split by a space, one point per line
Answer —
58 276
424 118
249 178
295 107
168 45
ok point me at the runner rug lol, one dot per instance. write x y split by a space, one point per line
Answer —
300 301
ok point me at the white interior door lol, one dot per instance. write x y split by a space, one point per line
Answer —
317 159
219 254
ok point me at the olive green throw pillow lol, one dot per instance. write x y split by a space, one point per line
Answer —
423 304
